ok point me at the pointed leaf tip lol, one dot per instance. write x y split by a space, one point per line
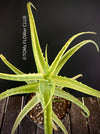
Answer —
37 51
92 32
30 4
1 56
97 47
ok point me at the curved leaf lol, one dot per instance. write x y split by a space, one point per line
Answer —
74 84
33 102
56 61
20 90
70 52
59 123
13 68
39 59
73 99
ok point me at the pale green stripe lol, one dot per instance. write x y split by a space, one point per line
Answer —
71 98
59 123
13 68
70 52
23 77
33 102
20 90
74 84
38 55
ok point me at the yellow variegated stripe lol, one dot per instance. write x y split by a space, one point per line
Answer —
73 99
58 57
74 84
59 123
46 91
13 68
21 77
51 91
31 88
32 103
39 59
70 52
46 58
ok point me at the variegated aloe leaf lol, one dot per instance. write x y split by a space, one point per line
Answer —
74 84
39 59
22 77
13 68
46 92
70 52
46 59
33 102
56 61
43 83
51 93
73 99
74 78
59 123
20 90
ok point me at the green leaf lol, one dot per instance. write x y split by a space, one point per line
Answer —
73 99
39 59
13 68
20 90
55 63
46 58
51 90
70 52
33 102
21 77
74 84
59 123
57 59
46 92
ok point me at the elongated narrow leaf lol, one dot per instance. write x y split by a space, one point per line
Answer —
13 68
31 88
58 57
39 59
73 99
46 58
46 90
70 52
33 102
59 123
51 90
77 76
21 77
74 84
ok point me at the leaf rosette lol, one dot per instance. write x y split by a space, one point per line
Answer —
46 83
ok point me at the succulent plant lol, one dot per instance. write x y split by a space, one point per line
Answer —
46 83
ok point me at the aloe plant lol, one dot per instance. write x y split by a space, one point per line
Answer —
46 83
